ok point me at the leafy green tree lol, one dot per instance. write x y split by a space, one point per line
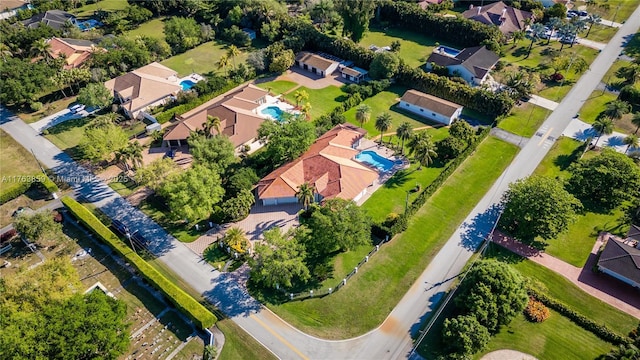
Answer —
336 225
95 95
182 33
280 260
281 62
23 81
463 131
363 114
404 132
217 152
450 147
238 207
606 180
242 179
355 16
538 206
383 123
623 352
422 148
306 194
558 10
602 125
517 36
384 65
192 194
465 335
325 13
101 141
39 227
493 292
236 239
286 140
154 174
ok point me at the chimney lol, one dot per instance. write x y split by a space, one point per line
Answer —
479 9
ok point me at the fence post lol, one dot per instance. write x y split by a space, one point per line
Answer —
366 258
344 281
310 293
356 270
377 247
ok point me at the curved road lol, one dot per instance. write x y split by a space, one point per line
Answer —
393 339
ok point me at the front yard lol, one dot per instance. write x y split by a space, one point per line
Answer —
524 119
415 48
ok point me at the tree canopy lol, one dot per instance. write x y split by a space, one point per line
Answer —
287 140
384 65
101 140
538 206
39 227
95 95
215 152
465 335
355 15
154 174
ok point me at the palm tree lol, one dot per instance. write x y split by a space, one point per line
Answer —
422 148
41 48
567 32
213 122
122 157
554 23
592 19
233 52
631 141
603 125
236 240
300 96
630 73
306 109
223 63
616 109
404 132
383 123
135 154
5 51
517 36
537 32
363 114
306 194
635 120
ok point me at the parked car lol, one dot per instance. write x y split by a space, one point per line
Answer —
569 40
120 227
139 239
171 153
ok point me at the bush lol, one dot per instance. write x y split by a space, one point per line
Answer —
202 317
536 311
10 193
48 185
36 106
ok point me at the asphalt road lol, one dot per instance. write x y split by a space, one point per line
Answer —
392 340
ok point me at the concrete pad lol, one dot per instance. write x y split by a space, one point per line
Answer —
581 131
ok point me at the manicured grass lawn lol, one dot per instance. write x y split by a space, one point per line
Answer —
15 161
48 109
415 47
555 338
278 86
154 28
600 33
322 100
524 119
106 5
241 346
202 59
618 10
594 105
67 135
386 102
562 154
376 289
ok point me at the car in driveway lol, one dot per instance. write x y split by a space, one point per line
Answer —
139 239
120 227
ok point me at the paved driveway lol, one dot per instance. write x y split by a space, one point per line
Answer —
311 80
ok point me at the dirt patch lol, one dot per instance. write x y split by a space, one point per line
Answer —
136 198
507 355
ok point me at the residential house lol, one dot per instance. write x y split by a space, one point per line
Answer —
353 74
9 8
316 64
150 85
76 52
634 234
425 3
328 165
237 111
54 18
507 18
472 64
620 261
430 107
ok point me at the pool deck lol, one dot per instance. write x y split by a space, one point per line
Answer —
401 163
277 102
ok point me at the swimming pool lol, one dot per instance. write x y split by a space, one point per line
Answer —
186 84
273 112
375 160
447 50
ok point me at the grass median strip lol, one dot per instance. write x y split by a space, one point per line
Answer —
369 297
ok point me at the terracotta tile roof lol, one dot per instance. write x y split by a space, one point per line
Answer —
621 259
430 102
315 60
75 51
507 18
328 165
235 111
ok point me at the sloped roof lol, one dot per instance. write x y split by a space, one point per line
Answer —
12 4
76 51
315 60
328 165
145 85
478 60
234 110
507 18
634 233
430 102
351 71
53 18
621 259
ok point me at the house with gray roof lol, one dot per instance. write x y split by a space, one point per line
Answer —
621 261
472 64
430 107
54 18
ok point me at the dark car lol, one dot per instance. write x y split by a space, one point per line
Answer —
171 153
120 227
139 239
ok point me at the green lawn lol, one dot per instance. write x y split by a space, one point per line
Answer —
415 47
153 28
562 154
611 78
67 135
15 161
600 33
48 109
386 102
376 289
106 5
278 87
616 10
202 59
239 345
322 100
594 105
524 119
154 208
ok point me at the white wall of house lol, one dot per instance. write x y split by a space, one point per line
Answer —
462 72
429 114
314 70
279 201
619 277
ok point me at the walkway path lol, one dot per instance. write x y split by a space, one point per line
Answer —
591 44
542 102
580 130
517 140
601 286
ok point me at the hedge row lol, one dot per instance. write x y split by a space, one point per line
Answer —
9 193
602 331
49 185
183 301
167 115
403 220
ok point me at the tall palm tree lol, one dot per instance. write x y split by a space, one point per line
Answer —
235 238
422 148
517 36
631 141
233 52
135 154
41 48
603 125
122 157
306 194
567 31
213 122
635 120
383 123
630 73
554 23
404 133
616 109
592 19
223 63
300 96
537 32
363 114
306 109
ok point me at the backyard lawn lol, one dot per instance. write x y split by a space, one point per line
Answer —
616 10
322 100
15 162
278 87
386 101
48 109
600 33
415 47
524 119
376 289
153 28
202 59
106 5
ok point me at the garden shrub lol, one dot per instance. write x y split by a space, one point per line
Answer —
536 311
36 106
9 193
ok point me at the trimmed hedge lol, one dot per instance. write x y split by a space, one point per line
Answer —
602 331
48 184
183 301
10 193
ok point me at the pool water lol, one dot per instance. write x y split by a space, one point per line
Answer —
449 51
273 112
375 160
187 84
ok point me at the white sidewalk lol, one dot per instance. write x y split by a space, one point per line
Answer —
542 102
581 131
